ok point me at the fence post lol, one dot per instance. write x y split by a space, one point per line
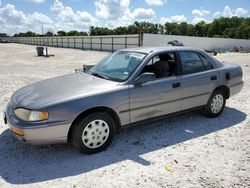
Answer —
126 41
56 42
74 42
140 39
52 42
100 43
90 43
82 44
112 43
62 42
68 41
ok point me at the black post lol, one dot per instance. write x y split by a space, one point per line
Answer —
140 40
82 44
74 42
112 43
100 43
126 42
90 43
68 41
57 42
62 42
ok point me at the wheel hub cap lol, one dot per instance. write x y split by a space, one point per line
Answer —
217 103
95 134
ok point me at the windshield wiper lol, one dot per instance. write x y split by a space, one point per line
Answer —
99 75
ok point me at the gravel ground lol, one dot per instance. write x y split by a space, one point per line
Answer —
200 152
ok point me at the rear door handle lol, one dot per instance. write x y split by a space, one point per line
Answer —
175 85
213 77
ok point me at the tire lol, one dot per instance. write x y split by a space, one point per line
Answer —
93 133
215 104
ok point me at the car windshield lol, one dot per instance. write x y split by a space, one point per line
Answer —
117 66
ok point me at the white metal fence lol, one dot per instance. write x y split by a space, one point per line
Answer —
100 43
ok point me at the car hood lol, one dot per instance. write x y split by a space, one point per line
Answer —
64 87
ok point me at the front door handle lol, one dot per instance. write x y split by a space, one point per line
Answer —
175 85
213 77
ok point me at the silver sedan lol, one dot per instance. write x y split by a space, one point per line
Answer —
128 86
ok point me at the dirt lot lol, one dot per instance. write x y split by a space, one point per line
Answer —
202 152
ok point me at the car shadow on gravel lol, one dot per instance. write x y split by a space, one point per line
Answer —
25 164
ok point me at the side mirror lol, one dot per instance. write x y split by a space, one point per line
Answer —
145 77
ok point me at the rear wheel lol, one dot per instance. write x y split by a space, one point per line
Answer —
94 133
216 104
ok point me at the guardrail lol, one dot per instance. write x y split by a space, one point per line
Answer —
100 43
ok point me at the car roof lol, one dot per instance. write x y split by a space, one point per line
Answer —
158 49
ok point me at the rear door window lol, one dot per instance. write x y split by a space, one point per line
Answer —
191 62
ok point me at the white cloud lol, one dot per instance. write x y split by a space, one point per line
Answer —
240 11
36 1
217 14
67 19
117 12
0 2
228 12
174 19
13 21
200 15
143 14
155 2
199 19
111 9
200 12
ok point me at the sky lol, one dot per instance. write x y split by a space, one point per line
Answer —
54 15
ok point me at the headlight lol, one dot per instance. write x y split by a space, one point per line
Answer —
30 115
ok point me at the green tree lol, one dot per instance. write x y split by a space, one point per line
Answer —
49 34
61 33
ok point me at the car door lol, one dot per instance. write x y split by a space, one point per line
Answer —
199 79
155 98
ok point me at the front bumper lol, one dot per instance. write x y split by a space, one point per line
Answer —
36 133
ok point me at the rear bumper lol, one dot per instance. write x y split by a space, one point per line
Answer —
36 134
236 88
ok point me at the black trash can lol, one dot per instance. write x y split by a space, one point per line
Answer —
39 50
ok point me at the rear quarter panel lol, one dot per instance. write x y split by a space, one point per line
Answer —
235 82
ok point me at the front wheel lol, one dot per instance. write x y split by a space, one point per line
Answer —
94 133
215 104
